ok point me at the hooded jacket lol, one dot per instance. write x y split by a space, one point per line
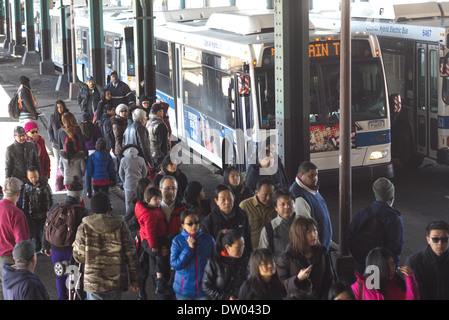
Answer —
137 134
103 245
21 284
152 224
75 167
132 168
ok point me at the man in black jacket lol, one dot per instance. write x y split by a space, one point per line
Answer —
431 265
106 126
137 134
88 97
120 91
19 157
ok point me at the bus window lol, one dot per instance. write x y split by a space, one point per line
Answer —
265 96
129 43
163 72
422 79
434 70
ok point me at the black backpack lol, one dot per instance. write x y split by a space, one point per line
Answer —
14 107
370 235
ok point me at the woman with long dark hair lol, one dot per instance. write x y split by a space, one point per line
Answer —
305 263
233 178
263 282
70 130
54 126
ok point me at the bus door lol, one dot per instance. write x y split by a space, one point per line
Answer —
427 69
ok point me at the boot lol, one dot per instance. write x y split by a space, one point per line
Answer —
162 287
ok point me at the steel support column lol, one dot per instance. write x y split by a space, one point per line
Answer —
7 25
97 41
18 48
148 48
31 57
46 65
63 80
2 17
292 75
138 48
74 84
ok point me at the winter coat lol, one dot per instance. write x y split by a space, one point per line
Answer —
106 130
119 126
100 109
174 221
53 130
103 245
88 99
13 225
320 279
75 167
276 290
42 154
432 273
100 165
224 276
152 224
37 199
190 263
180 177
18 158
21 284
215 222
27 102
159 138
138 135
279 178
393 291
121 93
394 233
132 168
91 137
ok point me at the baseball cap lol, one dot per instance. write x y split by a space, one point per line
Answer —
23 251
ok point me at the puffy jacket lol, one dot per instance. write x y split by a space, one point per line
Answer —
132 168
18 158
119 126
159 139
100 165
138 135
103 245
37 199
121 93
190 263
152 224
224 276
21 284
393 291
75 167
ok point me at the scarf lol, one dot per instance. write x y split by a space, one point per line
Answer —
31 93
303 185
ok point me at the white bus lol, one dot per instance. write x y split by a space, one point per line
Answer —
215 67
415 52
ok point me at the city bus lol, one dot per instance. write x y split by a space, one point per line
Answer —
415 51
215 68
202 63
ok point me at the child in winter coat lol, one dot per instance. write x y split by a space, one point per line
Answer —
154 236
385 283
37 201
132 168
100 167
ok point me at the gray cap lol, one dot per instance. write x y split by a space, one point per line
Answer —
23 251
19 130
383 189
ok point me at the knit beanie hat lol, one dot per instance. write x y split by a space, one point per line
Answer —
192 190
76 188
120 107
24 80
383 189
30 125
100 203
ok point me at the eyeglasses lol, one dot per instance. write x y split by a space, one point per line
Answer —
34 131
443 239
192 223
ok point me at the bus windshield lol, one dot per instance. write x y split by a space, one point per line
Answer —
368 92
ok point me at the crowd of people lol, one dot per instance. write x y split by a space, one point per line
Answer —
259 238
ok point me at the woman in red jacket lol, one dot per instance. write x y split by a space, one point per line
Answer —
32 131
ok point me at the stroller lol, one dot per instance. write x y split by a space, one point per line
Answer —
74 281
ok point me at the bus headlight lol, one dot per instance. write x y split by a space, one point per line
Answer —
377 155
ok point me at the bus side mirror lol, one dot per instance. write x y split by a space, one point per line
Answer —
395 104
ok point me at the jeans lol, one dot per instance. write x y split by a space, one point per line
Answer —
108 295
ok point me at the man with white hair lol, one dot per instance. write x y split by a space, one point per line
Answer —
13 222
137 134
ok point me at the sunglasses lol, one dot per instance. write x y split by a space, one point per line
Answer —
192 223
443 239
34 131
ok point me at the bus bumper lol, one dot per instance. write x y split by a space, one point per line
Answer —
359 174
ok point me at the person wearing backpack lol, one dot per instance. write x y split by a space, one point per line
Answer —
27 101
379 225
57 242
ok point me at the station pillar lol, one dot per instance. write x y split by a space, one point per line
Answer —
7 25
97 41
18 48
148 48
292 73
46 65
63 80
2 17
138 47
31 57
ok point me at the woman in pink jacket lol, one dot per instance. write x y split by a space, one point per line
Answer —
382 281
